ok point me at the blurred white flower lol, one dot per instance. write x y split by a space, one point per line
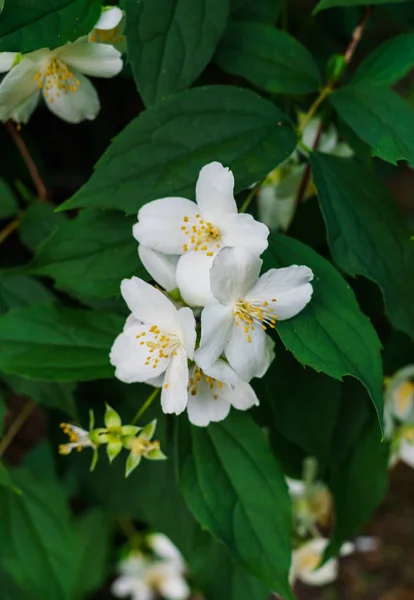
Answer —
212 393
402 446
399 399
196 232
305 561
142 578
59 75
157 339
7 60
277 196
311 505
246 305
78 439
110 28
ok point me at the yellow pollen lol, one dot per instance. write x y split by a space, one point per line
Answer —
165 386
58 78
250 313
198 378
185 219
201 235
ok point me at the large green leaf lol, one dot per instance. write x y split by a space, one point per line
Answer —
331 334
26 25
365 233
269 58
17 291
36 538
90 255
38 222
380 117
171 41
53 395
388 63
262 11
57 344
93 536
8 203
251 514
324 4
161 152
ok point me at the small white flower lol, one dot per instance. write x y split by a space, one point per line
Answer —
305 561
60 76
110 28
196 232
164 549
311 504
212 393
402 446
246 305
399 399
145 579
78 439
157 339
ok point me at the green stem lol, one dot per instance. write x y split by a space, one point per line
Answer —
146 405
314 108
250 196
15 426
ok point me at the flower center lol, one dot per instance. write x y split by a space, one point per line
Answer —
140 446
404 396
309 562
202 235
56 79
78 438
160 345
198 377
249 314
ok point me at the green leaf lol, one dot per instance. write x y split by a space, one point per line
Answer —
8 203
53 395
265 11
53 343
93 533
161 152
365 233
91 254
10 590
26 25
269 58
324 4
380 117
388 63
233 456
170 42
331 334
39 221
37 538
6 481
358 482
18 291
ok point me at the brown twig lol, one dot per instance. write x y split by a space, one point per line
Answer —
16 426
328 89
30 164
4 233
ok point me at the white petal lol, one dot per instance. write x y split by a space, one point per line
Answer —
234 272
244 231
216 324
187 330
406 452
7 60
247 358
175 588
23 112
290 288
342 150
307 557
348 548
73 106
193 278
276 202
214 192
296 487
129 356
149 304
17 87
203 408
326 574
110 18
97 60
161 267
131 587
242 397
132 322
164 548
174 390
222 371
159 224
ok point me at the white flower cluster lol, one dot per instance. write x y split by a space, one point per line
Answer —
311 508
399 415
146 576
59 75
207 256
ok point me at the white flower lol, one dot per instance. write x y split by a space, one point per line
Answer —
277 196
399 399
161 267
78 438
212 393
246 305
311 504
305 561
402 446
144 579
110 28
157 339
163 547
60 76
196 232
